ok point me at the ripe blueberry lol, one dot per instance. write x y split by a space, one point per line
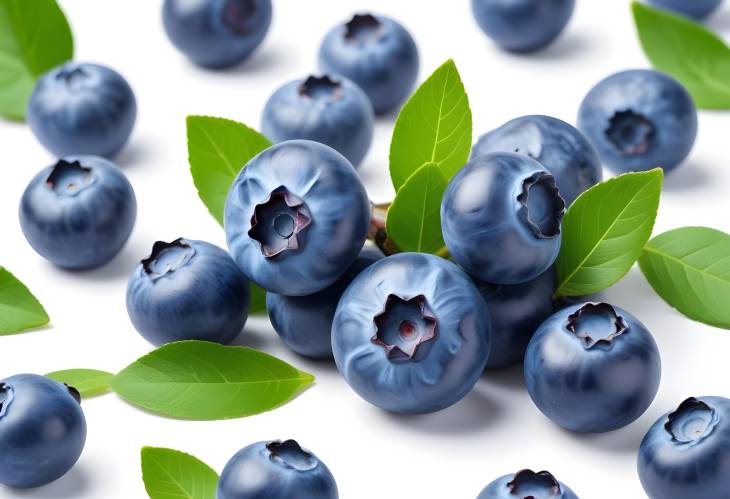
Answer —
527 484
696 9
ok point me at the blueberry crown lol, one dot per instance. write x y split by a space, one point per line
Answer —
587 323
527 477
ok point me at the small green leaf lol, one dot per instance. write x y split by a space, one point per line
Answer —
689 268
605 230
171 474
207 381
89 382
258 300
414 219
19 309
434 126
689 52
34 37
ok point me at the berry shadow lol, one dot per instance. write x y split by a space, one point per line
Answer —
118 268
265 59
719 22
75 483
134 154
690 176
571 44
511 378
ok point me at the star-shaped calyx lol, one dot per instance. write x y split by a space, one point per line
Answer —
526 482
404 327
278 224
320 87
363 27
596 323
68 178
542 208
691 422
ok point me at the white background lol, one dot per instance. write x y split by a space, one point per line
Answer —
452 454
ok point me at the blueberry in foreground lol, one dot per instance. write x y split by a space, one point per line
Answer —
685 453
276 470
187 290
558 146
79 212
501 216
378 54
695 9
304 323
296 217
411 334
42 430
522 25
216 33
639 119
82 108
592 368
527 484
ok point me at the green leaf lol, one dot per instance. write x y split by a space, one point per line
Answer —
687 51
19 309
206 381
258 300
434 126
171 474
414 219
605 230
34 37
689 268
89 382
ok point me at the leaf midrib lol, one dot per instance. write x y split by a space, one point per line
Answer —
682 263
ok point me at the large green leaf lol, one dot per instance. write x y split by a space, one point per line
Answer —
19 309
89 382
171 474
207 381
34 37
689 52
434 127
605 230
689 268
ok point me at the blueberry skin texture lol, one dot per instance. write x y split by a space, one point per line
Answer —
447 359
522 25
527 483
639 119
597 385
276 470
82 108
336 204
695 9
517 311
42 430
500 218
304 323
378 54
695 464
188 290
333 111
216 33
84 220
558 146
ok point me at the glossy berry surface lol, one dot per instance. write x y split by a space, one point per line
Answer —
526 484
558 146
375 52
81 108
296 217
685 453
330 110
522 25
42 430
216 33
304 323
516 312
696 9
276 470
639 119
501 216
592 368
79 212
411 334
187 290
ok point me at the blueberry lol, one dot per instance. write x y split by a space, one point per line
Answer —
528 485
592 368
42 430
304 322
411 334
517 311
638 120
558 146
685 453
276 470
330 110
187 290
501 216
696 9
79 212
216 33
296 217
522 25
375 52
